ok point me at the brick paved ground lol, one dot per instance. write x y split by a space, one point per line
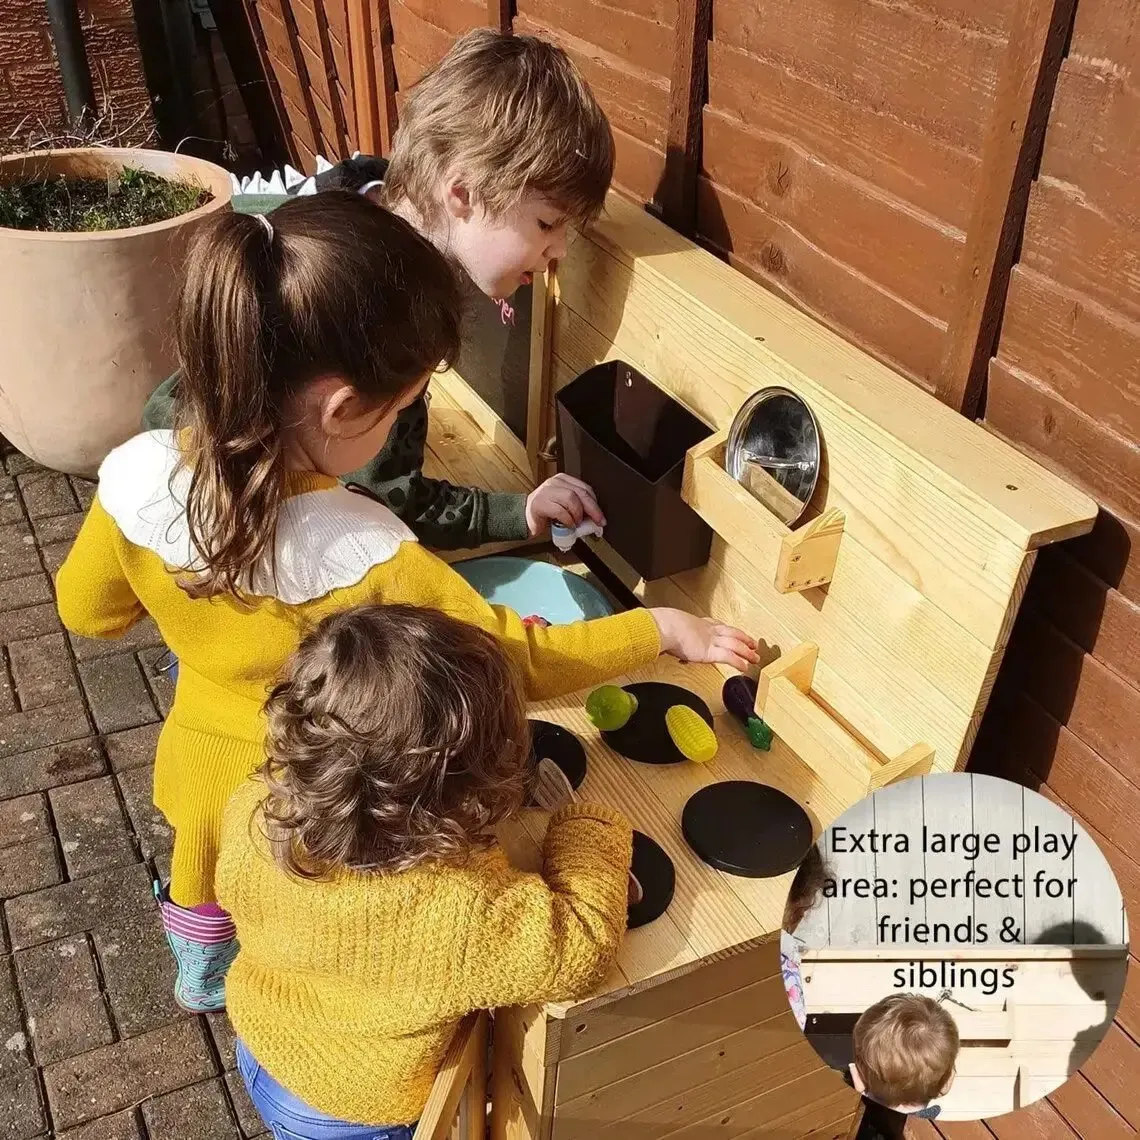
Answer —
93 1046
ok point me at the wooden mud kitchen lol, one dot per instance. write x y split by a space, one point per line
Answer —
884 614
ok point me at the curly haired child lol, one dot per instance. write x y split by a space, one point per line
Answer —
373 906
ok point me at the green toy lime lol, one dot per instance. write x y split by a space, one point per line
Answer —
610 707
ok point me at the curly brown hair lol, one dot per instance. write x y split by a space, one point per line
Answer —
397 736
810 879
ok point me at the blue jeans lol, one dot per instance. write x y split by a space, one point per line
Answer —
290 1118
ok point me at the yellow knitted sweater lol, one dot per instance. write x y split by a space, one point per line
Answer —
334 550
348 992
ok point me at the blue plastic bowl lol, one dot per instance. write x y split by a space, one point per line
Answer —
534 588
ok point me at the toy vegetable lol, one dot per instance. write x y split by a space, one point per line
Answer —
691 734
610 707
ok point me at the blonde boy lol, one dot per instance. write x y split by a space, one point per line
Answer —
905 1050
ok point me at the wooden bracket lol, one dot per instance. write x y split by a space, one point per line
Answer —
784 701
807 556
796 559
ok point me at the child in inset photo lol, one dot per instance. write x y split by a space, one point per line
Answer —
806 888
905 1049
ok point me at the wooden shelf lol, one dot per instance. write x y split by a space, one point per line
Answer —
794 560
784 700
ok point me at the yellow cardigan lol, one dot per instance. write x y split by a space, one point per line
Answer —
335 549
349 991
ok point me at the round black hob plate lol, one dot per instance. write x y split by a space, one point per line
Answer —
746 829
553 742
644 737
653 869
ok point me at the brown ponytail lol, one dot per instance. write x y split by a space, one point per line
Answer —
333 286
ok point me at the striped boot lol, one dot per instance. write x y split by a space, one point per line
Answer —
204 945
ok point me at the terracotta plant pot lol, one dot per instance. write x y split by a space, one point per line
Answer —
88 318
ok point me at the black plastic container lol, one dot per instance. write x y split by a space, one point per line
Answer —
625 437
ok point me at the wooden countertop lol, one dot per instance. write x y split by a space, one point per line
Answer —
711 912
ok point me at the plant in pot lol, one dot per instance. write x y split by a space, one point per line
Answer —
92 245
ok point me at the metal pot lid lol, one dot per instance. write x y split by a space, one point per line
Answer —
773 451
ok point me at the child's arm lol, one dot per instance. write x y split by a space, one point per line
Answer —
159 410
564 658
554 936
93 595
443 515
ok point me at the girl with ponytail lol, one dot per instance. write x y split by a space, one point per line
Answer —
299 340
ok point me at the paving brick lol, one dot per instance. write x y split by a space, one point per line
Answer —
17 551
87 904
58 528
17 463
249 1120
54 555
85 490
138 973
29 867
14 1055
151 829
60 987
51 767
29 590
120 1126
10 509
142 635
8 703
92 831
134 748
117 693
27 731
162 865
199 1112
43 671
160 681
117 1076
223 1034
23 819
21 1112
32 621
46 493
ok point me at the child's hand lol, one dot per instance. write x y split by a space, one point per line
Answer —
691 638
561 499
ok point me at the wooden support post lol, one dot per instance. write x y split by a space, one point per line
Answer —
543 297
499 15
365 92
382 49
1012 149
677 192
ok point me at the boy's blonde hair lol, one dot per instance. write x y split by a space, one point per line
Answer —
508 116
397 736
905 1049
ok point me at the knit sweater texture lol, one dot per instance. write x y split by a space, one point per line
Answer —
349 991
334 550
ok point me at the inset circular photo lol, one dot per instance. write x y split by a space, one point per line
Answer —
956 946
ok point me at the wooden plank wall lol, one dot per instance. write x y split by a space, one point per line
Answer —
840 167
1065 715
304 47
